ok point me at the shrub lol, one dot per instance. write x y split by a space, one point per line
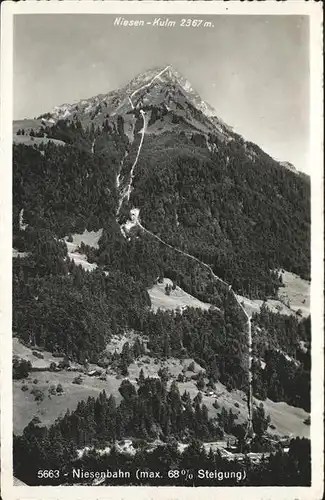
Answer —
20 368
163 373
65 363
200 384
191 367
24 387
211 384
59 389
77 380
38 394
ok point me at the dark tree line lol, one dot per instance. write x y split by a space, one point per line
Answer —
282 379
73 312
66 189
281 331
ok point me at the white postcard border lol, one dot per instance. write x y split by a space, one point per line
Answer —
311 9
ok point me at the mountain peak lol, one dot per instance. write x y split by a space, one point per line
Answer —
150 85
161 74
165 75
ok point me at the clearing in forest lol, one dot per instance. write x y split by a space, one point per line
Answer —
177 299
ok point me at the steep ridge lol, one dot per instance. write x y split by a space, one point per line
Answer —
164 87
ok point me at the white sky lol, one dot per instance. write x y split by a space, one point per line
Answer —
254 70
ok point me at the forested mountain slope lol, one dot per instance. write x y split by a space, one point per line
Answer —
196 182
199 187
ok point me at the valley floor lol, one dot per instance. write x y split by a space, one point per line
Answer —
288 420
